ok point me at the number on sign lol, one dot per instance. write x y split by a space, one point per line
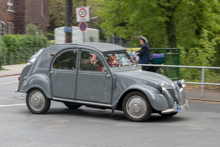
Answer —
82 13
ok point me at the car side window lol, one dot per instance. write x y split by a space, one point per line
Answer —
66 60
90 61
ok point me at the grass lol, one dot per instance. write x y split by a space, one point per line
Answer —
3 68
209 78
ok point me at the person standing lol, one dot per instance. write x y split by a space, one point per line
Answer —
144 53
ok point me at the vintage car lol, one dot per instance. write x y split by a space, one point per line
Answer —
98 75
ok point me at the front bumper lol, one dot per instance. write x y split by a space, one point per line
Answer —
176 108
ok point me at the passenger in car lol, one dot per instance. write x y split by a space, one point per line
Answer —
98 64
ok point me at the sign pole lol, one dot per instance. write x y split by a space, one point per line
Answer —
83 16
83 26
83 36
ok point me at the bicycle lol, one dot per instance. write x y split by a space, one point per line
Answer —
158 59
155 59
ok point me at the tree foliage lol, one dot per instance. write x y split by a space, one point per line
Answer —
58 10
193 25
33 30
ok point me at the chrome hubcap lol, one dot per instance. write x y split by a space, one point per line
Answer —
36 100
136 106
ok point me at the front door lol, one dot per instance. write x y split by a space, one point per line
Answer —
63 74
93 84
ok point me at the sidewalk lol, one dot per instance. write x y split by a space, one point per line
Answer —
209 95
12 70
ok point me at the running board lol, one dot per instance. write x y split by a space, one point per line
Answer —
81 102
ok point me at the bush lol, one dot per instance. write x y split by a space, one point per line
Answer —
18 49
33 30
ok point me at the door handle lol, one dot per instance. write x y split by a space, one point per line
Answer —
108 76
51 71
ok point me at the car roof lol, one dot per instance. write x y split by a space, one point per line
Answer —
44 60
103 47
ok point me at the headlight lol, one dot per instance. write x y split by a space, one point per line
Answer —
181 83
162 87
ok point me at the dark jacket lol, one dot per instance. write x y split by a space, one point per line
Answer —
144 54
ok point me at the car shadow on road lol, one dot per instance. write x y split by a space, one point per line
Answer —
92 113
106 114
156 118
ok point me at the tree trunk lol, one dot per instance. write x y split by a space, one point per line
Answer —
69 4
171 31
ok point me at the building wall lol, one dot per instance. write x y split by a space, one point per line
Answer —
37 14
26 11
19 23
5 15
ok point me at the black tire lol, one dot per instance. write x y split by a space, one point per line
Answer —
143 107
168 115
37 102
162 71
72 105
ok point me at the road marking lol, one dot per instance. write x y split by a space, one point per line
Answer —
8 83
12 105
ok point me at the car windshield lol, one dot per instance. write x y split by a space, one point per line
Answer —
118 59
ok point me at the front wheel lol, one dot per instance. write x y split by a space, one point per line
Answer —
162 71
136 106
36 101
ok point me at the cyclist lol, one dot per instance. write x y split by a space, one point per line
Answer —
144 53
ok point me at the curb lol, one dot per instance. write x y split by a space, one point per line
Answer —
203 99
9 75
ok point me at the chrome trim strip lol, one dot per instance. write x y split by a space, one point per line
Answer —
81 102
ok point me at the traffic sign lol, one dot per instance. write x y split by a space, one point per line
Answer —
83 26
68 29
82 14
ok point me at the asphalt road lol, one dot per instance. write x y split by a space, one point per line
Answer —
199 126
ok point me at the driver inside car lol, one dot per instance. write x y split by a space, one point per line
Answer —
87 62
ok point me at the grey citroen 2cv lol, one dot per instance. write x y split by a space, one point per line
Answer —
98 75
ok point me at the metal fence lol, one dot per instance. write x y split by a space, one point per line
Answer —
172 57
202 83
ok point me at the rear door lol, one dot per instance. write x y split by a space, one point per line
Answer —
63 74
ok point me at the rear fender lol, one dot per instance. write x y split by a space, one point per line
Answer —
24 74
40 81
155 97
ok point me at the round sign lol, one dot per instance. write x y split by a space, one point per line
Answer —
82 12
83 26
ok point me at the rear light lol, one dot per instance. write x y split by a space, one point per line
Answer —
19 78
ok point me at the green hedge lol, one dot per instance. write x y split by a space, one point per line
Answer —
18 49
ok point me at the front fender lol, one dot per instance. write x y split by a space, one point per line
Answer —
40 81
155 97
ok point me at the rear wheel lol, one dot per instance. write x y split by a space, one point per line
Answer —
72 105
36 101
136 106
